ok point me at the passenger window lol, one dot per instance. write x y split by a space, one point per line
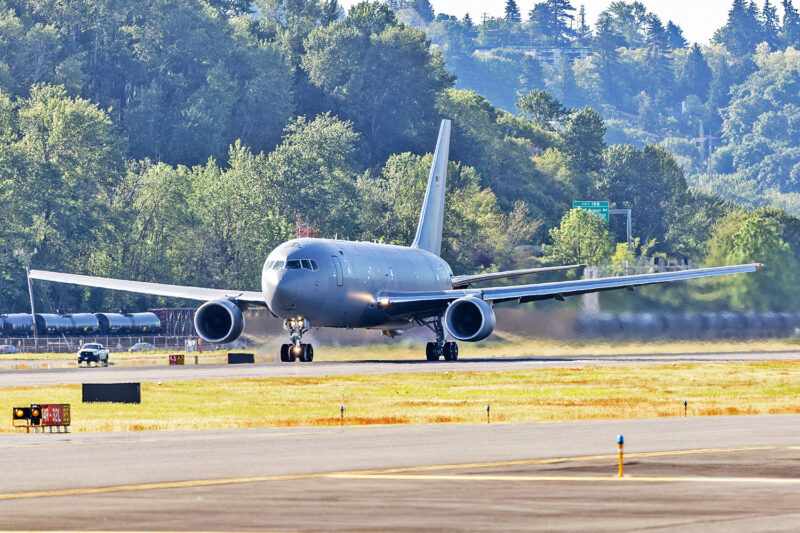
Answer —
307 264
294 265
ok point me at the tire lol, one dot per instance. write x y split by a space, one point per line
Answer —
451 351
307 355
431 352
285 353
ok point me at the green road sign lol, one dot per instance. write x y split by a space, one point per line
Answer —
599 208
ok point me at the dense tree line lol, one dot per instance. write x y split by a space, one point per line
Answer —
179 141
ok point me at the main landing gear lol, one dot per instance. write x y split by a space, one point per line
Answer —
440 348
296 350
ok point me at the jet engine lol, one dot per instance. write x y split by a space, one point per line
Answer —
220 321
469 319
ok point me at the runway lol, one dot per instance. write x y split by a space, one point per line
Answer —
58 376
692 474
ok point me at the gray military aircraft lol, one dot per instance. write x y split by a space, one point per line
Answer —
341 284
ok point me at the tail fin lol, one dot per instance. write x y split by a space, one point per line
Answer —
431 218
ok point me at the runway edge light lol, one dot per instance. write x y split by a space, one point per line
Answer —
621 455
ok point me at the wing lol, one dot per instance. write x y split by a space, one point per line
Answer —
421 303
155 289
462 282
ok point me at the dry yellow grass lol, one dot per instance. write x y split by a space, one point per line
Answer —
542 395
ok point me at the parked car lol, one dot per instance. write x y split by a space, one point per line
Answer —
93 353
8 348
142 347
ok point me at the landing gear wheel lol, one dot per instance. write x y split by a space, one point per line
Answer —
450 351
307 353
287 355
432 351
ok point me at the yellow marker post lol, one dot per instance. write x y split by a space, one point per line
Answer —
621 454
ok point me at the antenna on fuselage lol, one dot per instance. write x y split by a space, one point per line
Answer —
431 218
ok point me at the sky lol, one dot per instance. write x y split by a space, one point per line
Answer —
698 18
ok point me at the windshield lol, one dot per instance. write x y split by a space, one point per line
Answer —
293 264
91 346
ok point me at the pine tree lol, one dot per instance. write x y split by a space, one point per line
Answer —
790 31
742 31
675 38
696 75
655 35
583 31
553 20
770 25
513 14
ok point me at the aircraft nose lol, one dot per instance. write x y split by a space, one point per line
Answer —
286 291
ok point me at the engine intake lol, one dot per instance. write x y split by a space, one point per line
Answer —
469 319
219 322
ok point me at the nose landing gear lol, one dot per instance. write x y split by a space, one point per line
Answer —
296 350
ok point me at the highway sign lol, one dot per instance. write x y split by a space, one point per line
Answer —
599 208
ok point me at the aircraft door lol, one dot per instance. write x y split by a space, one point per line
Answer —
337 268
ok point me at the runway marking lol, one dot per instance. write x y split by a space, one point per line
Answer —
558 460
593 479
86 491
404 474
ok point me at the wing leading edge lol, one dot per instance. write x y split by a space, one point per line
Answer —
462 282
154 289
401 303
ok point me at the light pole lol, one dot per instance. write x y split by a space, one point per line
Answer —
25 257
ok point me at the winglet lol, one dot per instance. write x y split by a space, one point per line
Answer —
431 218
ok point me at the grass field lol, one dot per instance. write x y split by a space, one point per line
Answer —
542 395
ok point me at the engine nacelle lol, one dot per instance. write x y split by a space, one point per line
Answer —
220 321
469 319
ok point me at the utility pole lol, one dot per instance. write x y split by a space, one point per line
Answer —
33 311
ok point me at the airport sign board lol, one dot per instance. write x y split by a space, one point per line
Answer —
599 208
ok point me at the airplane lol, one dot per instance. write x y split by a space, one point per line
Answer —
329 283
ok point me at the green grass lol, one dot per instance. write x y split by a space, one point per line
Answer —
542 395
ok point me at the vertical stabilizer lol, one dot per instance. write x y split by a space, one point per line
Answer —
431 218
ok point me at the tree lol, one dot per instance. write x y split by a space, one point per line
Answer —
388 82
331 11
553 20
476 234
742 31
649 181
541 107
790 31
696 75
512 13
674 38
583 33
755 237
771 25
583 142
581 238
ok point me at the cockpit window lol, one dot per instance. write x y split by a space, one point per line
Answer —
294 264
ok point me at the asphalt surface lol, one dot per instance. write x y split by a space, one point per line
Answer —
55 376
691 474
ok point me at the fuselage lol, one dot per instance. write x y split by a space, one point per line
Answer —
336 283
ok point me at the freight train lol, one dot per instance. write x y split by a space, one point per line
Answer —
79 324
